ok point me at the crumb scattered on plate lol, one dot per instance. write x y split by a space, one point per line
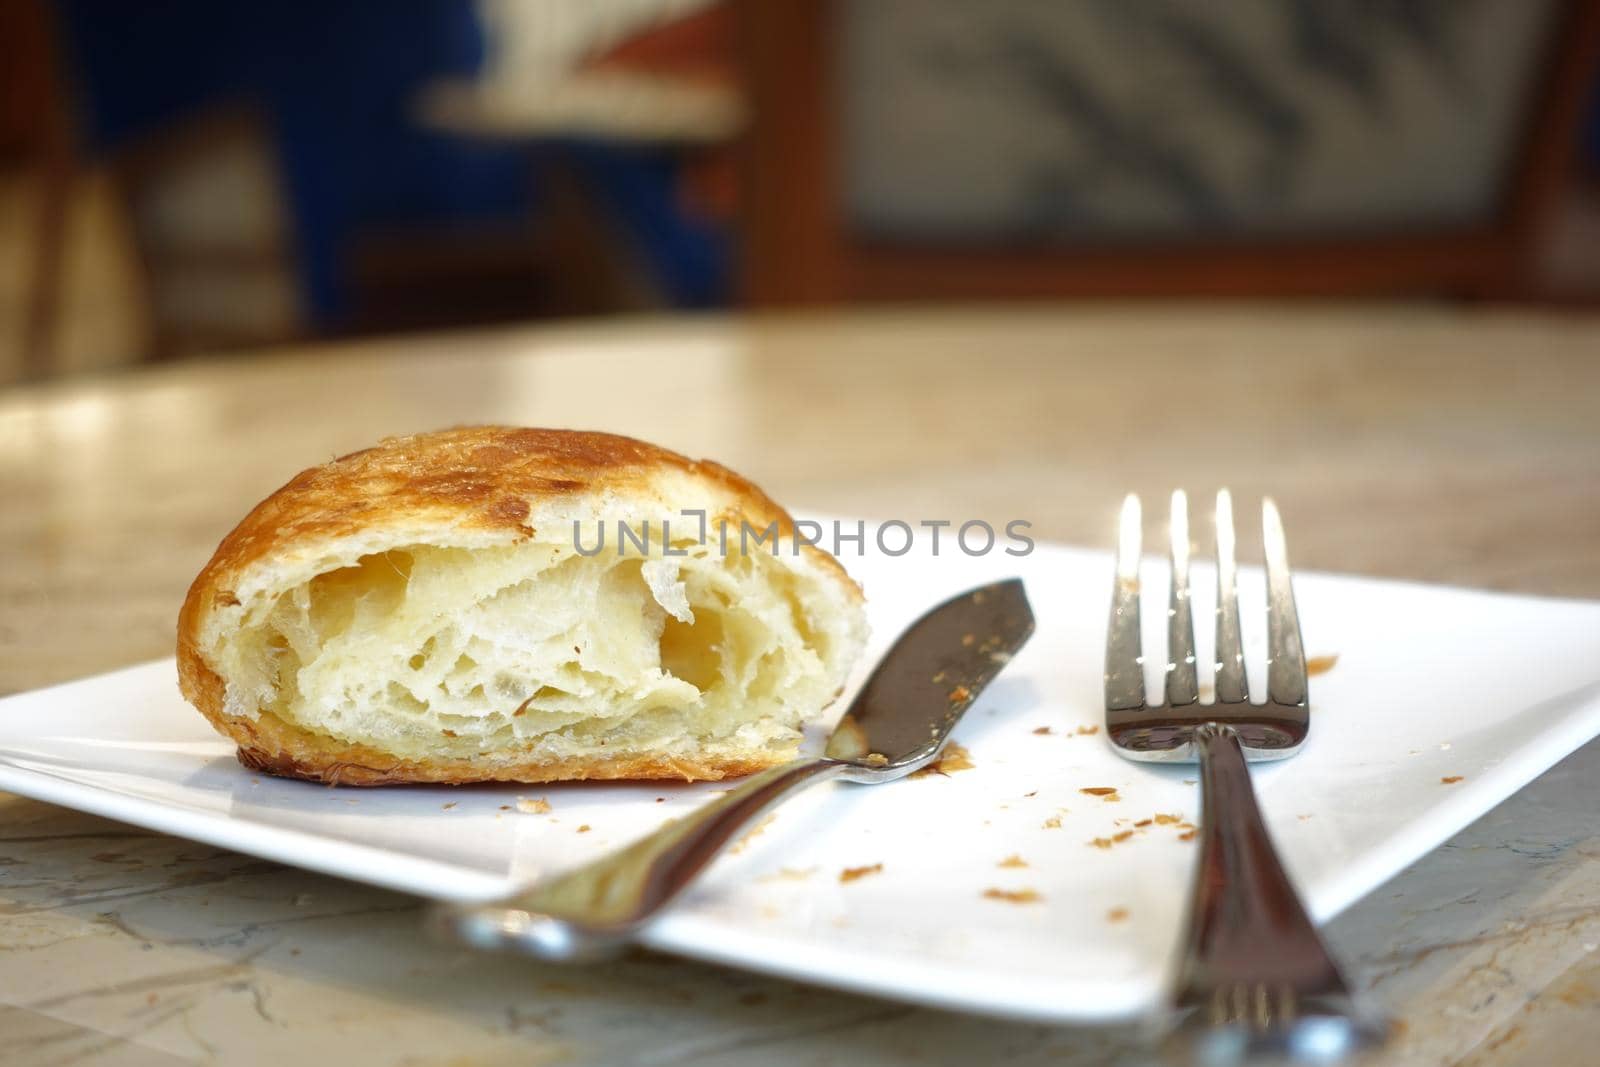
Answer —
1321 664
1086 730
1012 860
533 806
955 757
1452 779
1043 731
583 829
1053 822
450 805
1187 835
1107 793
788 874
750 835
1116 915
1164 819
850 874
1013 896
1115 839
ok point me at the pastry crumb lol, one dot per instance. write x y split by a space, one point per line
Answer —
1013 896
750 835
1187 835
1053 822
1121 836
788 874
1013 860
1321 664
1101 842
1116 915
1107 793
583 829
450 805
850 874
1087 730
533 806
1163 819
1043 731
1452 779
960 695
955 757
1142 823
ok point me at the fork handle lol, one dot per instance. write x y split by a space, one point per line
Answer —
595 911
1255 977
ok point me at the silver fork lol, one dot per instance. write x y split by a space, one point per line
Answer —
1255 978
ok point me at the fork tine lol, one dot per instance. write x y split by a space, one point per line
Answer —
1124 658
1286 658
1232 687
1182 687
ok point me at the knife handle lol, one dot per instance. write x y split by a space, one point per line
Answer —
595 911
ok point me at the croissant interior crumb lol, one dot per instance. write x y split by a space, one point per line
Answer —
535 649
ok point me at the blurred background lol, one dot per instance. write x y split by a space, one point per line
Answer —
181 177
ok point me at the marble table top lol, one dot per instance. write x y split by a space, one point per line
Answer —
1431 443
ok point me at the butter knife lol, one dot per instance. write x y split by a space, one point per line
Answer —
897 724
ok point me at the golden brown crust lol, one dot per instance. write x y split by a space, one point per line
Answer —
473 478
294 753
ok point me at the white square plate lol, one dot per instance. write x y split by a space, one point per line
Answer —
1443 703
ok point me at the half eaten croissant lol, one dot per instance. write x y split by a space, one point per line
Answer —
466 606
